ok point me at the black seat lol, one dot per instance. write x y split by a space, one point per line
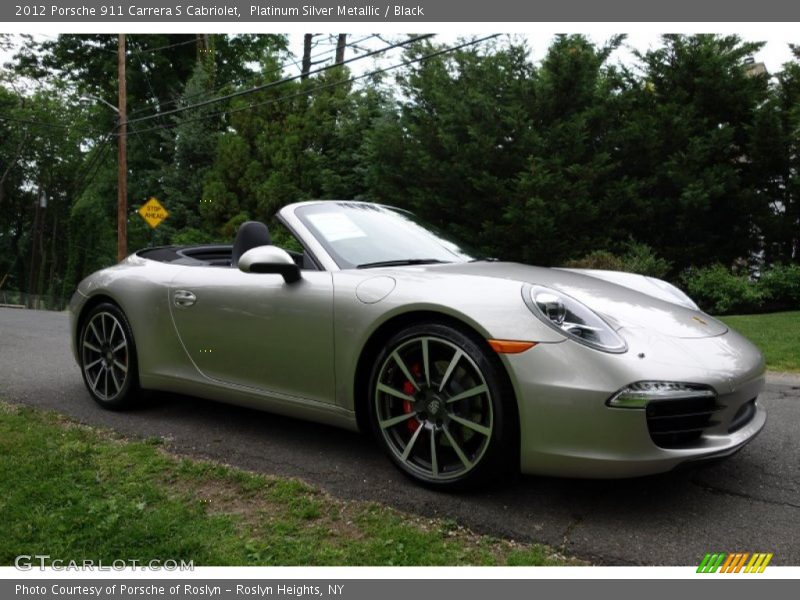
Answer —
250 235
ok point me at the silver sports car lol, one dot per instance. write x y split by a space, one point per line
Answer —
462 367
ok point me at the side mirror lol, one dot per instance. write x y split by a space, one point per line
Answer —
270 259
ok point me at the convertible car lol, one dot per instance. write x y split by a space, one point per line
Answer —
462 367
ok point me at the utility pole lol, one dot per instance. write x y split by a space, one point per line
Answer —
122 157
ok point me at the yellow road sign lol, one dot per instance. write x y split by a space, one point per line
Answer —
153 212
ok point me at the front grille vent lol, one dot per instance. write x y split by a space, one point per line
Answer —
679 422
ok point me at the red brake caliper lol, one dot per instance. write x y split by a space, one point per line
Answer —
408 390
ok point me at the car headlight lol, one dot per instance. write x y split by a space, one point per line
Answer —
573 319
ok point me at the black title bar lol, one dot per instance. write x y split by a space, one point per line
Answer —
421 11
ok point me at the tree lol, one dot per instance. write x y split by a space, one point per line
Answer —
168 154
685 153
38 168
460 140
300 140
573 181
698 101
775 154
194 139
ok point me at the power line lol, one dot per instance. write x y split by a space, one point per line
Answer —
110 51
146 73
272 84
324 86
36 123
93 163
261 75
46 125
245 81
302 92
168 46
332 50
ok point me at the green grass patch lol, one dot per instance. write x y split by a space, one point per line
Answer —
74 492
776 334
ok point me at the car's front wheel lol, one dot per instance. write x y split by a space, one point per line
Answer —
108 357
440 408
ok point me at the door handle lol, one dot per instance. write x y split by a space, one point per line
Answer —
184 298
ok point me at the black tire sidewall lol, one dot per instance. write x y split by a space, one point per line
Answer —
129 393
498 459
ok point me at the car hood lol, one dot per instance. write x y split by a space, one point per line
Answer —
621 304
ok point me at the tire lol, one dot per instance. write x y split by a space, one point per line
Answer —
442 409
107 354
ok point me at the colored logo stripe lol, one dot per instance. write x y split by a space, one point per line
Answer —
711 563
735 562
758 563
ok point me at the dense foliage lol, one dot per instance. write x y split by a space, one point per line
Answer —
683 165
720 290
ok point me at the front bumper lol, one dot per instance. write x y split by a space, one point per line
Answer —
567 429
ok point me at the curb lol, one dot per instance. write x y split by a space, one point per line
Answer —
779 378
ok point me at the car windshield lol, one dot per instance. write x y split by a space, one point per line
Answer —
362 235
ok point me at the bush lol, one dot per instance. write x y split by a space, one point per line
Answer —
191 237
718 291
780 286
599 259
638 258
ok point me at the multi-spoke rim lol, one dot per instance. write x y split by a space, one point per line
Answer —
434 408
104 348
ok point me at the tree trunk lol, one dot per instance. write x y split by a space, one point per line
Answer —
32 280
11 163
341 44
306 65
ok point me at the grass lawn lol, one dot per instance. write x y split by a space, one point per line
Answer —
777 334
74 492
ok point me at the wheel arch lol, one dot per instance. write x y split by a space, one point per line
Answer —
401 321
87 307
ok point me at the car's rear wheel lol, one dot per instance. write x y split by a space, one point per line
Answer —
440 409
108 357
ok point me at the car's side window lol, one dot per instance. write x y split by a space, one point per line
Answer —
285 239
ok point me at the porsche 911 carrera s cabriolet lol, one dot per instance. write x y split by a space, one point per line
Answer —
463 368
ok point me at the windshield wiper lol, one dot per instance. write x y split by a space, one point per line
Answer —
402 262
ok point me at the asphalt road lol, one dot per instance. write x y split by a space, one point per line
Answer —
749 502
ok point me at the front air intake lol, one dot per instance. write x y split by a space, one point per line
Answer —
679 422
743 416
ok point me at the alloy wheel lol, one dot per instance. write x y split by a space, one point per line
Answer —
105 355
434 408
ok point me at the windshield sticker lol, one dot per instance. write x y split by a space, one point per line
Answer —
335 226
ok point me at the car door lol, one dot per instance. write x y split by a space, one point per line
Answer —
255 330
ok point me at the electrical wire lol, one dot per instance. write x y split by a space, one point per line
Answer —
279 69
249 80
168 46
36 123
146 74
273 84
324 86
94 163
92 167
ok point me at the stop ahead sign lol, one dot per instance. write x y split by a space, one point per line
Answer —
153 212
